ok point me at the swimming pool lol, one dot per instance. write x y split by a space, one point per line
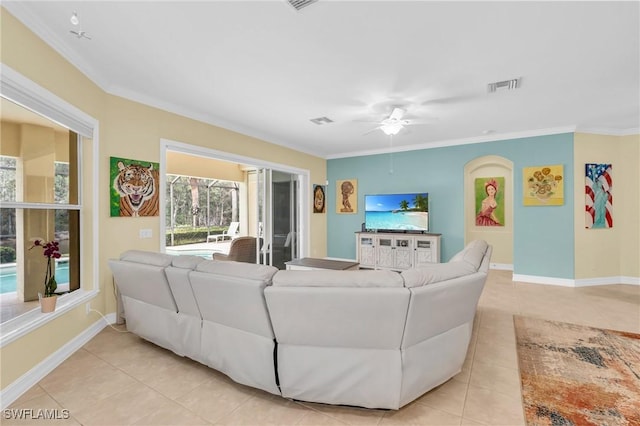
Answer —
8 276
194 252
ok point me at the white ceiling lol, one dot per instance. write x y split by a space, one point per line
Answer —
264 69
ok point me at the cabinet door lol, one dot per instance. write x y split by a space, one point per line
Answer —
424 252
403 253
367 252
385 252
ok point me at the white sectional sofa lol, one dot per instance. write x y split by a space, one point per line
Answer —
375 339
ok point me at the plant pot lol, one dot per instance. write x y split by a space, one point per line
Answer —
48 304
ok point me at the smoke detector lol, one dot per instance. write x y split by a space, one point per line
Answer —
504 85
299 4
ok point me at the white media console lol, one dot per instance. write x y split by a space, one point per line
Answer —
396 251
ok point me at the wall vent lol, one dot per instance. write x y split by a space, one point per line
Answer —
299 4
504 85
321 120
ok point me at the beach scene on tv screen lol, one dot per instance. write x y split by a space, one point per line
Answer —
402 212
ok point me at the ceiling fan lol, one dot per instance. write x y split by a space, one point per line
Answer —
395 122
80 34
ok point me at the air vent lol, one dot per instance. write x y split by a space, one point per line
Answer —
321 120
504 85
299 4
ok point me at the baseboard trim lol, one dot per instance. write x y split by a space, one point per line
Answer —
534 279
586 282
14 390
501 266
582 282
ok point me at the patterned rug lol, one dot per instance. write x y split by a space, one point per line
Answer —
577 375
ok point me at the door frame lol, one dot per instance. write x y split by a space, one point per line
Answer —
184 148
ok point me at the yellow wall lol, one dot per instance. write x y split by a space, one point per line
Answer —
615 251
190 165
128 130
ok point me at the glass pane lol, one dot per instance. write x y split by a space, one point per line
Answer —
23 265
7 178
37 158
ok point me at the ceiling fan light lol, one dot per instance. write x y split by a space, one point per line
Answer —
391 128
74 19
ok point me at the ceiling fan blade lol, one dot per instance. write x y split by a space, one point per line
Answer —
397 113
451 99
372 130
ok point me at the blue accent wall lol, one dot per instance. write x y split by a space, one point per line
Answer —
543 236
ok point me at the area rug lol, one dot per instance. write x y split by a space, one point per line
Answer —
577 375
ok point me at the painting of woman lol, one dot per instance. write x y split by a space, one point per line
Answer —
486 214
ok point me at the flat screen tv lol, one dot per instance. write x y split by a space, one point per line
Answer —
397 212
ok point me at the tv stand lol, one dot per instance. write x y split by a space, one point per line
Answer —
395 250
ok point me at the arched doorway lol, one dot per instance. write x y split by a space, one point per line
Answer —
478 173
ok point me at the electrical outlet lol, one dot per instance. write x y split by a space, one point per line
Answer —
146 233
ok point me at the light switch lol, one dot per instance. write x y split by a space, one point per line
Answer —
146 233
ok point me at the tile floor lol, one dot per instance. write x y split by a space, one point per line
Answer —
118 379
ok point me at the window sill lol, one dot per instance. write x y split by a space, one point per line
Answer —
29 321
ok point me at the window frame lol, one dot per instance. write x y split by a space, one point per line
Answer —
26 93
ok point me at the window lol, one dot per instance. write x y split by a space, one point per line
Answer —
46 194
39 168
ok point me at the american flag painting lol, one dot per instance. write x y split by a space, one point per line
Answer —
598 196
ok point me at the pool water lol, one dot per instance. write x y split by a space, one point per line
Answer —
194 252
8 277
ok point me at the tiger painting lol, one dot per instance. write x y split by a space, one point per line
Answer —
137 187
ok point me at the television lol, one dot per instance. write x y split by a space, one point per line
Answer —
408 212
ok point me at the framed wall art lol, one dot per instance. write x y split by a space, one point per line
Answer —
134 188
543 186
347 196
598 191
319 198
489 195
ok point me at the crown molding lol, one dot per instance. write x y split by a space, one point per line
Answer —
494 137
608 131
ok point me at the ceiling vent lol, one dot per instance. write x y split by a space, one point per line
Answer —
321 120
299 4
504 85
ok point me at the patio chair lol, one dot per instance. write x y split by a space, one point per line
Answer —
230 232
242 249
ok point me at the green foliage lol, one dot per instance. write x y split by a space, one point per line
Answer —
7 255
190 235
218 194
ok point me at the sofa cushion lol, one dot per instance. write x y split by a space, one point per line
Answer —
329 278
148 257
186 261
237 269
473 253
436 272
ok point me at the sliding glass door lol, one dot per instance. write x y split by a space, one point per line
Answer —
276 216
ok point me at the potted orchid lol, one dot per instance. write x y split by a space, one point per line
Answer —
51 250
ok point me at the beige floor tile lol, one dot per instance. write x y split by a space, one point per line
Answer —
76 390
493 408
263 409
315 418
172 414
498 353
447 397
495 378
469 422
41 410
177 379
126 407
348 415
216 398
35 392
419 414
